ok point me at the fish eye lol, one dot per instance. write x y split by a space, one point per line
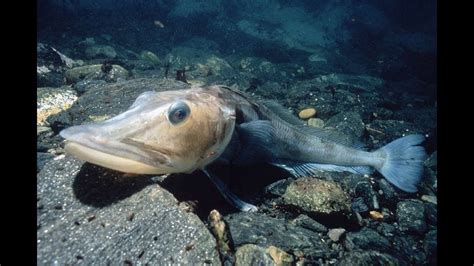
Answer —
178 112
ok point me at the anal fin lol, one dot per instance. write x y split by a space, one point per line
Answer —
301 169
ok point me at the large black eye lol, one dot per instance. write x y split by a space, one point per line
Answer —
178 112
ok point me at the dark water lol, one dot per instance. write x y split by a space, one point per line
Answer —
392 40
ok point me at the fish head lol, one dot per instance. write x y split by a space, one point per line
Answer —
161 133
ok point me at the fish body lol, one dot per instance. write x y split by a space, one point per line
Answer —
186 130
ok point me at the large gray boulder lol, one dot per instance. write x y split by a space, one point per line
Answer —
96 216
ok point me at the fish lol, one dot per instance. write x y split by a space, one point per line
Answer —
187 130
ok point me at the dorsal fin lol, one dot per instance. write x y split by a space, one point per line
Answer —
282 112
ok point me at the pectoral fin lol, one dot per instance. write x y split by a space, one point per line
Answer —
256 140
228 195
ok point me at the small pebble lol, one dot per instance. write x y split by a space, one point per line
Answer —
316 122
431 199
336 233
376 215
307 113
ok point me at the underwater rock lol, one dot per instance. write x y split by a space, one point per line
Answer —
431 180
336 233
259 67
46 77
431 169
262 230
389 130
116 73
49 142
431 199
368 239
431 213
149 57
84 211
331 100
411 216
51 65
389 194
359 206
306 222
365 190
315 195
201 65
100 51
89 41
362 82
41 129
432 161
431 246
316 122
86 84
59 121
139 66
204 70
88 71
216 66
386 229
41 159
48 55
317 58
307 113
279 256
184 57
368 257
251 254
51 101
408 250
349 123
278 188
91 72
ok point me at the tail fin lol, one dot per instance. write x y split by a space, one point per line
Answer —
403 166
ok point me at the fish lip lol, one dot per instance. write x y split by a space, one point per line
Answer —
84 136
139 158
110 161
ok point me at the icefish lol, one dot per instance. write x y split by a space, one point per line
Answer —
186 130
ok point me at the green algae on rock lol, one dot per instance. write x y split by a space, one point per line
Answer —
314 195
251 254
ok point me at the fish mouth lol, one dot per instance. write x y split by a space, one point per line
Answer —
88 143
